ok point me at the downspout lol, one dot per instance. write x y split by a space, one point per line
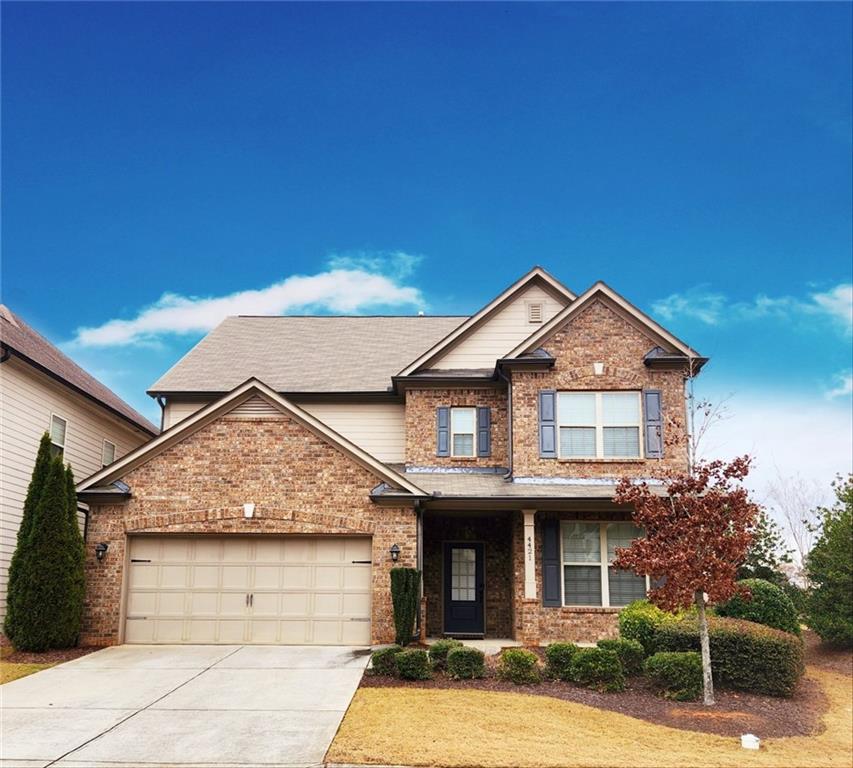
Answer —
161 401
509 450
5 354
419 557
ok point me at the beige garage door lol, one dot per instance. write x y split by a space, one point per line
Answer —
264 589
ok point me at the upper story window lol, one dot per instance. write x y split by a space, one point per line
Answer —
463 432
108 453
58 428
588 549
599 425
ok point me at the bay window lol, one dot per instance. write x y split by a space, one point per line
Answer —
599 425
589 579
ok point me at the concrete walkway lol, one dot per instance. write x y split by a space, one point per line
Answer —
189 706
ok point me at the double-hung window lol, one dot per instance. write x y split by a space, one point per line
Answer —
463 432
108 453
599 425
58 428
588 576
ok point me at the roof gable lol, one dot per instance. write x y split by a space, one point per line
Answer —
250 398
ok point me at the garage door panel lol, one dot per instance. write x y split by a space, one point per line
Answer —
235 589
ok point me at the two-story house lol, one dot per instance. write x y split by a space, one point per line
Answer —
42 390
303 457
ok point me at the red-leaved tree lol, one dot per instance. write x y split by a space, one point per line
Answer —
697 533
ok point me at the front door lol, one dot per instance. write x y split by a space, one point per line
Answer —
463 589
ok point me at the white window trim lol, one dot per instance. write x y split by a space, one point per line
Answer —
65 432
603 565
600 425
103 452
473 454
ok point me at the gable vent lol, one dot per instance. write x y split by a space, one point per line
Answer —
255 408
534 312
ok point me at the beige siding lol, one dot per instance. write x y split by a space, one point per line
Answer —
178 410
27 400
501 333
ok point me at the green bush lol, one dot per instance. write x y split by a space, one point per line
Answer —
519 666
465 663
413 664
597 668
405 589
829 567
768 605
384 661
438 652
630 654
744 655
677 674
640 621
559 658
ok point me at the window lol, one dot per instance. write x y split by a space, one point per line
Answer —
58 427
588 577
463 423
599 425
108 453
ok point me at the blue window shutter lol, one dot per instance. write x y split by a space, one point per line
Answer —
654 423
484 431
551 592
442 431
547 424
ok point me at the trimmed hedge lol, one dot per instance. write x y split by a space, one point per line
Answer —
384 661
519 666
640 621
465 663
413 664
769 605
405 587
597 668
438 652
677 674
630 654
744 655
559 658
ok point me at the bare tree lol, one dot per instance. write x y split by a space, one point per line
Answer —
796 501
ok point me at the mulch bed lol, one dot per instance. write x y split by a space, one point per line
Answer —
827 657
47 657
735 712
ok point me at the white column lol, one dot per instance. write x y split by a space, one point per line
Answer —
529 554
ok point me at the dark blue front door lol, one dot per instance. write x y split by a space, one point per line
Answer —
463 589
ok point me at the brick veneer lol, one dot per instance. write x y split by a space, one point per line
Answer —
298 482
421 438
597 334
496 534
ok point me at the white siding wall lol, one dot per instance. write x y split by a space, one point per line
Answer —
27 400
378 428
501 333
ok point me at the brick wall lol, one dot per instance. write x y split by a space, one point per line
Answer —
496 534
421 438
597 334
298 482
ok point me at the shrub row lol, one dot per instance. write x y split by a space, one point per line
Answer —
417 664
677 674
641 621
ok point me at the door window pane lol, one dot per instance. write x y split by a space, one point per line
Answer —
621 441
582 584
463 574
577 441
581 543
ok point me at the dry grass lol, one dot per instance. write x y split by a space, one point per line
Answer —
10 671
495 730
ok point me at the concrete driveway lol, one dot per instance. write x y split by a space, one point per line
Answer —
166 705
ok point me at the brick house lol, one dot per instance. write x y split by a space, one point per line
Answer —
302 457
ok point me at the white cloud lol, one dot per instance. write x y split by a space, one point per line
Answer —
835 305
844 387
353 283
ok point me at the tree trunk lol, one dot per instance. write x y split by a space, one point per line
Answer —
705 644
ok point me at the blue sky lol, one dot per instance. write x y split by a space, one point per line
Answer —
164 164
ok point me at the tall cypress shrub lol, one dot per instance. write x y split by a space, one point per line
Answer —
77 574
16 566
405 586
46 613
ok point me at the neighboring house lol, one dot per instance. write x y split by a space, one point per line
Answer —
42 390
304 456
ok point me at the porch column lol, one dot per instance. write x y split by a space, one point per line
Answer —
529 554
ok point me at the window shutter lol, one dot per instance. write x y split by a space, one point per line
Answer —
484 431
551 593
654 423
547 424
442 431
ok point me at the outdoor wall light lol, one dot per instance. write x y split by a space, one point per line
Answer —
395 552
101 550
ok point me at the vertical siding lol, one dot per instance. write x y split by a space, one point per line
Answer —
501 333
27 400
